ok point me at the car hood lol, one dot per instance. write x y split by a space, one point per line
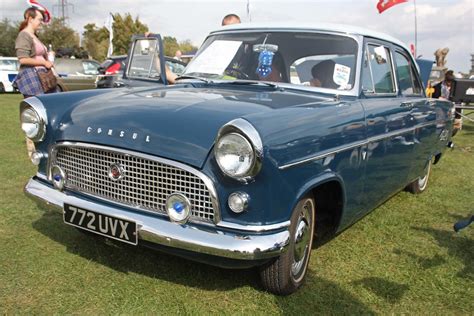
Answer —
175 123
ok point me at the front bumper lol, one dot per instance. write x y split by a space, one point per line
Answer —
206 240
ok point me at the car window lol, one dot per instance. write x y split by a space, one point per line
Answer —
9 64
70 67
175 67
407 81
145 60
377 74
90 68
331 71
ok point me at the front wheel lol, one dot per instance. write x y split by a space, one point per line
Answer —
421 183
285 274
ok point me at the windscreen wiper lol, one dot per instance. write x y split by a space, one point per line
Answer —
193 77
253 82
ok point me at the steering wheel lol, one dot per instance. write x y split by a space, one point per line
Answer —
231 71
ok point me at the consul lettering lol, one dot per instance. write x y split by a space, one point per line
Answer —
119 133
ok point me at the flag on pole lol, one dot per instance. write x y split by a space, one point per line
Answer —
42 8
109 26
387 4
248 11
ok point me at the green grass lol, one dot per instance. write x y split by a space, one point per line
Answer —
402 258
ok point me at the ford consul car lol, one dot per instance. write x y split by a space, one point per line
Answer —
274 140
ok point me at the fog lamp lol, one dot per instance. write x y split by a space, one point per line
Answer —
59 177
178 207
36 157
238 202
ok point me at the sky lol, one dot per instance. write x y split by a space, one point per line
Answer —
440 23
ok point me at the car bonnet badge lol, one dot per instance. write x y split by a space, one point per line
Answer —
116 172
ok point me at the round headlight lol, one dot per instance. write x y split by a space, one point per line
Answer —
32 124
235 155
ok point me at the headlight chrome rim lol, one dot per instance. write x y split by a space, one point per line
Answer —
245 130
36 108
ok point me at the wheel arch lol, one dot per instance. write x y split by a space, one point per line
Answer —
328 193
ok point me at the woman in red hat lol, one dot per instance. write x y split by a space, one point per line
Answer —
31 52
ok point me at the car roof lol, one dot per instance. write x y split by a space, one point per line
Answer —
73 60
331 27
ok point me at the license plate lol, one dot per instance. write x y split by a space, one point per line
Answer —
105 225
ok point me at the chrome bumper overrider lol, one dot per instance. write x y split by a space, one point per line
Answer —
207 240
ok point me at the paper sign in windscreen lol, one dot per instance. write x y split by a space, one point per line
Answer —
215 59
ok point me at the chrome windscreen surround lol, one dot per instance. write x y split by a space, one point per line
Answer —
145 185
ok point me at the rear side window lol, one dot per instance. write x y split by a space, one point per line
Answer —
377 73
407 80
90 68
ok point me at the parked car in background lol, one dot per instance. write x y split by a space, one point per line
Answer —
76 74
113 75
113 65
275 136
9 67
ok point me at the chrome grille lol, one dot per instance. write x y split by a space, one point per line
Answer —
146 182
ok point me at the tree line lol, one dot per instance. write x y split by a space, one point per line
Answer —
95 39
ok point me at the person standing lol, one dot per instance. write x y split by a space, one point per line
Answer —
231 19
443 89
31 52
178 55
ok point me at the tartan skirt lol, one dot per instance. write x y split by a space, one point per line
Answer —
28 82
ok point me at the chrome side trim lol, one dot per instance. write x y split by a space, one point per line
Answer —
353 145
207 240
207 181
255 228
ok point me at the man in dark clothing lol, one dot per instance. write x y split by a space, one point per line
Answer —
442 89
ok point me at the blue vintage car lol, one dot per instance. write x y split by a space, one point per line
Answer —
274 140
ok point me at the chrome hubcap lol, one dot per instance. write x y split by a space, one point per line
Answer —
302 239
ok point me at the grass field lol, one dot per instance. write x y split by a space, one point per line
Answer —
403 258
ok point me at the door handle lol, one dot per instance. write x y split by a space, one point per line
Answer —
406 104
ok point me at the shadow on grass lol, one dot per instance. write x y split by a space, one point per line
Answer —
390 291
467 128
130 259
321 296
425 263
457 245
317 294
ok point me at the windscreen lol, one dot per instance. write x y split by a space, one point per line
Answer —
311 59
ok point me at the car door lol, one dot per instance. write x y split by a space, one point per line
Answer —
145 62
389 125
423 114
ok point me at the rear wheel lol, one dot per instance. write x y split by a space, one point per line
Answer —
285 274
421 183
2 88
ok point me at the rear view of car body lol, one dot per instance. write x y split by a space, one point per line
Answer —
8 72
